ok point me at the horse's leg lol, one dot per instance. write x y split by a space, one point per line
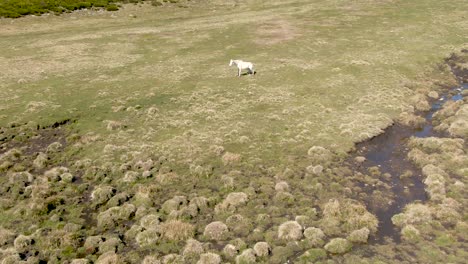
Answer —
239 74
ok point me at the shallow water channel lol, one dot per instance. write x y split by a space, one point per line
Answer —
388 152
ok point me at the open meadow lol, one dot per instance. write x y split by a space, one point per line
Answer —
125 137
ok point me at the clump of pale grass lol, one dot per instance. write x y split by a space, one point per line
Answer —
283 198
147 238
435 186
193 248
317 169
113 216
173 259
458 125
230 251
112 244
54 174
228 181
433 94
230 158
338 246
67 177
80 261
315 236
144 165
246 257
413 214
290 230
40 161
304 220
131 176
262 249
150 221
410 119
54 147
21 178
232 201
6 236
92 243
360 159
244 139
217 150
12 155
209 258
152 111
410 233
319 154
420 102
176 230
359 236
109 258
282 186
346 216
216 231
174 204
113 125
447 212
23 243
102 194
151 259
133 232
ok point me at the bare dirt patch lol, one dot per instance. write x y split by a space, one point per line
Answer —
274 32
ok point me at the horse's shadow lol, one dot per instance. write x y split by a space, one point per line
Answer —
249 73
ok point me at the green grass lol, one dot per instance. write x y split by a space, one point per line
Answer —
18 8
329 73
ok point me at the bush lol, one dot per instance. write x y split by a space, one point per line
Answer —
359 236
338 246
23 243
216 231
262 249
18 8
193 247
315 236
112 8
290 230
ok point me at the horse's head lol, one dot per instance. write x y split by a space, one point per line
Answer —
230 63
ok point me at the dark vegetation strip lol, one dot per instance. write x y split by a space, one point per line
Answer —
19 8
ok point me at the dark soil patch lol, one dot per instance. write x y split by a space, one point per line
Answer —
454 60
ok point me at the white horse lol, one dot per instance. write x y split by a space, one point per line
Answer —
243 65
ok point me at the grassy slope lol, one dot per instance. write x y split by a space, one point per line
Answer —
335 66
329 74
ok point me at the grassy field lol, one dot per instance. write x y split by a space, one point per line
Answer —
162 143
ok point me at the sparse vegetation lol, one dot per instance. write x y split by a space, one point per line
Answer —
125 138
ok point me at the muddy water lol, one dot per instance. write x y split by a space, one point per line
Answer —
389 153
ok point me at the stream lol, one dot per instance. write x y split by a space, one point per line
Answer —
388 152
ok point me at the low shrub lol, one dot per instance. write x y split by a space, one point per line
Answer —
112 8
338 246
18 8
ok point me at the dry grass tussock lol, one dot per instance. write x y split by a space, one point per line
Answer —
176 230
346 216
161 122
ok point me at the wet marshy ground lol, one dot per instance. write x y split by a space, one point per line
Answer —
388 153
